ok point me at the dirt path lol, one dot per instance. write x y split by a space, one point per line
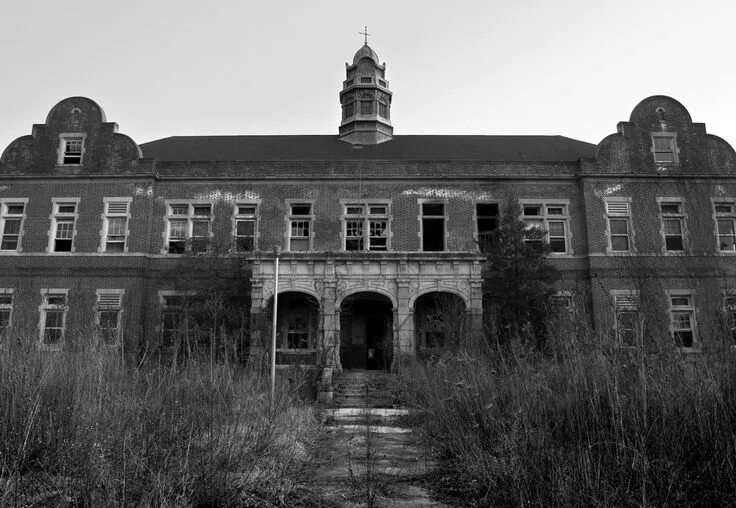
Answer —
373 459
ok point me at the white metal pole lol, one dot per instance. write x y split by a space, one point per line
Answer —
276 251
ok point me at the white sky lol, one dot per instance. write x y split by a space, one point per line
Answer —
570 67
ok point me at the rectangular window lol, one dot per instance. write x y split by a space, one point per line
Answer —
245 227
189 227
682 319
63 224
486 222
366 226
726 225
53 316
383 110
348 110
664 148
12 213
561 304
433 226
183 316
366 80
6 312
551 218
109 313
71 149
673 219
115 229
172 314
300 226
619 226
626 305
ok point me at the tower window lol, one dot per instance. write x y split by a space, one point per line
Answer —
382 110
367 107
366 80
71 149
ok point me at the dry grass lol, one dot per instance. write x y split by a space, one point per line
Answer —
585 426
84 429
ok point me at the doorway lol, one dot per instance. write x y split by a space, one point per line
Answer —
366 332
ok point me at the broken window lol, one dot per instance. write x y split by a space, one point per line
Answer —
682 319
53 316
189 227
486 222
300 226
71 149
245 227
626 306
672 225
433 227
63 226
366 226
551 218
109 311
11 224
726 225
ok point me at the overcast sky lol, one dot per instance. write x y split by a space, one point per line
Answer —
569 67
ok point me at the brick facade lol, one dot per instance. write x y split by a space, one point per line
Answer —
676 188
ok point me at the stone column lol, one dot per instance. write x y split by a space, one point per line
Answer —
330 327
475 312
404 338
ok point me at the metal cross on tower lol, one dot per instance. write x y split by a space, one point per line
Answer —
365 32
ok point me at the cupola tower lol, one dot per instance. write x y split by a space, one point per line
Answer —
366 100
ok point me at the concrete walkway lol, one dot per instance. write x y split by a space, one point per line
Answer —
373 459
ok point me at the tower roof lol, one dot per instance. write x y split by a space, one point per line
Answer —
365 52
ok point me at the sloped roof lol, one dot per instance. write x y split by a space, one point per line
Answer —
330 148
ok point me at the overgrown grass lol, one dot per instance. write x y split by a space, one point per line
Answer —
586 426
85 429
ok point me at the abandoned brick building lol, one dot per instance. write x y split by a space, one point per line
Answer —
371 227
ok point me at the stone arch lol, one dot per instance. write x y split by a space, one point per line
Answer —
423 291
440 320
268 293
342 296
298 326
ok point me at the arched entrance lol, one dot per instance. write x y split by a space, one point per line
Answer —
439 320
297 328
366 331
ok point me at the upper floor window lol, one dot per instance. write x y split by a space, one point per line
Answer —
383 110
366 80
245 227
109 314
189 227
71 148
673 218
115 229
6 312
348 110
12 213
53 311
619 226
433 226
682 318
300 226
63 224
551 218
367 107
486 216
366 226
726 224
664 147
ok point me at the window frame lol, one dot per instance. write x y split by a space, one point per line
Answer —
190 218
107 216
65 139
626 217
6 216
366 218
680 216
292 218
562 301
724 216
105 302
422 217
544 219
60 217
729 311
6 308
673 151
246 217
689 309
484 243
626 301
45 308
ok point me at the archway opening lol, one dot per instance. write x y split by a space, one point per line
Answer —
366 332
297 328
439 321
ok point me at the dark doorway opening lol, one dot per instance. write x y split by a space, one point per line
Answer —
366 332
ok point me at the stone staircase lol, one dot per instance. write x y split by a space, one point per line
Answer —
364 388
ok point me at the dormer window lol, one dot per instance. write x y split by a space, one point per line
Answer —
664 147
71 149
